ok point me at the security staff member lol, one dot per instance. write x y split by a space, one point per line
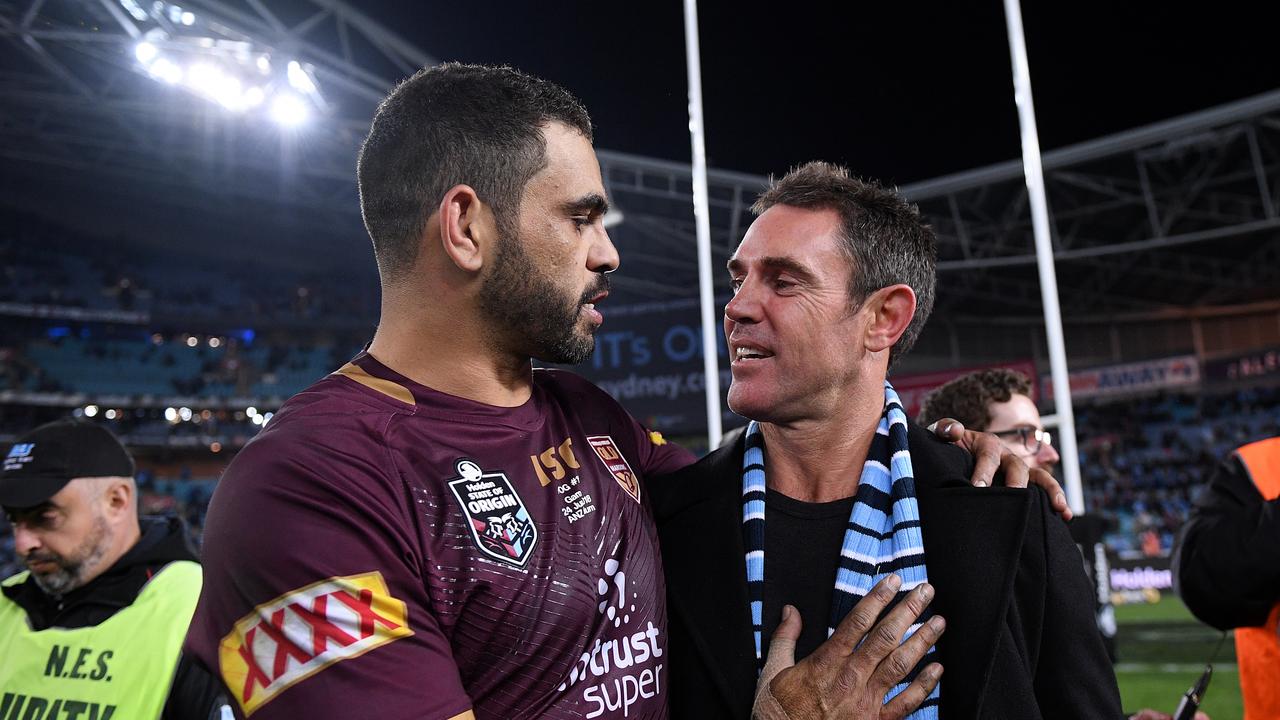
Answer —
1227 566
94 626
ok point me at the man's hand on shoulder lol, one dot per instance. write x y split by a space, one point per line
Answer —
849 674
990 454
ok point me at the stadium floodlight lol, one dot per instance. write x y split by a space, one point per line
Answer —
166 70
254 96
251 411
171 414
185 414
90 410
111 414
300 79
222 66
134 9
289 110
145 52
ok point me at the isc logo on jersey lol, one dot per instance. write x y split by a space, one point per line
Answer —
286 640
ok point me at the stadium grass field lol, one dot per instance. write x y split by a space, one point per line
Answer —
1162 651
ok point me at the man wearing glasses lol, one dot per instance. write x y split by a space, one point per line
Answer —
997 401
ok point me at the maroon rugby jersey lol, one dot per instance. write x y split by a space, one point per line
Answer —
385 550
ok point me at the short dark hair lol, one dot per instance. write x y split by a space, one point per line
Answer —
968 398
454 124
884 237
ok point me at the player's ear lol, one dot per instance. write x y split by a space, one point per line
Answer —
467 227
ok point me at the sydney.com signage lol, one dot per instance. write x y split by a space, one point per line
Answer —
649 357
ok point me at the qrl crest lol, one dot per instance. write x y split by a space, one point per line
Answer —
609 454
500 523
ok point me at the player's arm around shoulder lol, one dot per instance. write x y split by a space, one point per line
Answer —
313 602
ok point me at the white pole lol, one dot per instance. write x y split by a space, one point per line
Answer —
701 216
1044 255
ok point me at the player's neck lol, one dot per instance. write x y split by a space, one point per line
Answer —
821 459
444 352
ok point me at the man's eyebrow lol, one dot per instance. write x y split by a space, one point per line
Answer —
776 264
590 204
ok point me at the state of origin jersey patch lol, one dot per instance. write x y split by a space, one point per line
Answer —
499 522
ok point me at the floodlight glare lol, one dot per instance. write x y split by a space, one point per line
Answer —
289 110
188 18
166 70
227 93
300 79
135 10
254 96
145 52
90 410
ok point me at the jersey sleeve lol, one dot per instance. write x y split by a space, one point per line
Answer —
313 602
657 455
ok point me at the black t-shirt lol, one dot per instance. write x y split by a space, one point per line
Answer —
801 553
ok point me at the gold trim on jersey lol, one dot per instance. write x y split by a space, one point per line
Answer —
390 388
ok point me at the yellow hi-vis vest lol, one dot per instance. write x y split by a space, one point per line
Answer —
1258 648
120 669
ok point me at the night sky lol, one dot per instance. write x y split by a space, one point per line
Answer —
900 91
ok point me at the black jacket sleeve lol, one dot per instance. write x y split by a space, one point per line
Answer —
1227 560
1073 676
195 694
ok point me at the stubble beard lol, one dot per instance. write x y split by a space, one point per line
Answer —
72 569
526 305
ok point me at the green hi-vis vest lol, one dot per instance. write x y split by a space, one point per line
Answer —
120 669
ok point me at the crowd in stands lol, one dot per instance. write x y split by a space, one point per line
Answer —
185 366
1143 460
42 263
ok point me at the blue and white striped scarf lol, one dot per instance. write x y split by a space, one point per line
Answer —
883 535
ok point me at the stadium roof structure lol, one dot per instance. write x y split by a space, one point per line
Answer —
1153 221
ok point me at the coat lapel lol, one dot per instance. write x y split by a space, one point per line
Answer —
705 563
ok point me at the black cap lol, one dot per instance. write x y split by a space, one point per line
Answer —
44 460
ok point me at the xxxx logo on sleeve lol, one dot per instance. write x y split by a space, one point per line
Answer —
300 633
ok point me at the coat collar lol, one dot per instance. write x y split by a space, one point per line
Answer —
973 540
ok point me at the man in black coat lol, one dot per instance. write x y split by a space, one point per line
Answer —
1226 566
832 282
